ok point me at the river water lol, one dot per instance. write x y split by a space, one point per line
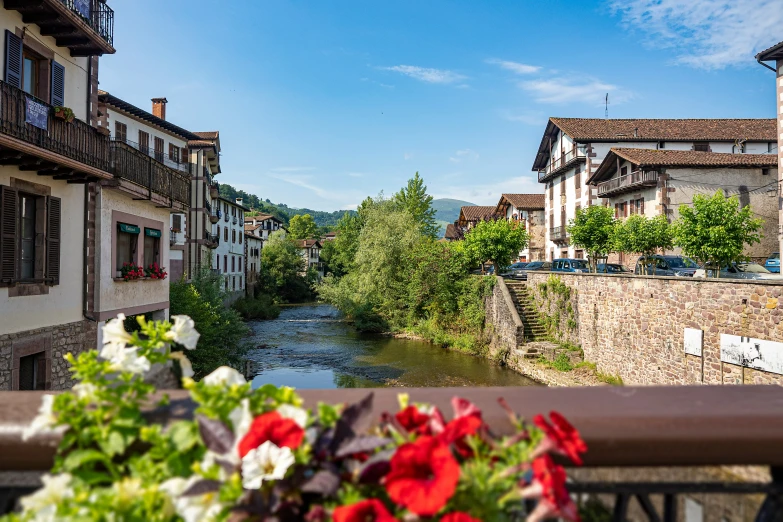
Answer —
310 346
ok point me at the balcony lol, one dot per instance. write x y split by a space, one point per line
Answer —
159 156
214 216
170 185
558 235
85 27
74 151
656 435
234 220
211 240
559 164
628 183
214 190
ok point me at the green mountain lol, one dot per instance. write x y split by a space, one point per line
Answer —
447 211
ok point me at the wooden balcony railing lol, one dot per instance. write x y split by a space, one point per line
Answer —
671 427
558 234
629 182
560 162
133 165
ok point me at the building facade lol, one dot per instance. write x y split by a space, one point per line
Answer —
572 149
229 255
49 159
529 211
262 225
253 246
775 55
470 216
204 156
311 253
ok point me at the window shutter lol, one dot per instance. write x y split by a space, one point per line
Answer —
13 60
58 84
53 231
8 228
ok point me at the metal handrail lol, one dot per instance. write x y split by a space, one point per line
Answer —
101 19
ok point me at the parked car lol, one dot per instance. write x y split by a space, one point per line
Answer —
679 266
570 265
741 271
773 263
486 269
513 270
533 266
612 268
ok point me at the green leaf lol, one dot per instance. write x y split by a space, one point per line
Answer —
184 435
79 458
114 444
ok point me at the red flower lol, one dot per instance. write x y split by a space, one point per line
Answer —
561 437
423 476
549 481
414 421
371 510
458 516
271 426
456 431
463 407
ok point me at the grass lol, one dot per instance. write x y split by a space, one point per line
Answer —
563 364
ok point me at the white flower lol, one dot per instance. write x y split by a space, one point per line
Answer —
114 333
184 363
198 508
298 415
45 423
241 418
43 503
224 376
85 390
183 331
264 463
126 360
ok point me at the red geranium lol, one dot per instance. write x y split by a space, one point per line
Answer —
561 437
423 476
371 510
271 426
549 484
420 423
458 516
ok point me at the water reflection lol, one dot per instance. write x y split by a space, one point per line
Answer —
310 347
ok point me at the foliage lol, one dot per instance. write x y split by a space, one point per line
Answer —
498 241
222 329
253 202
244 447
561 363
715 230
303 227
642 235
592 229
131 271
282 271
414 199
262 306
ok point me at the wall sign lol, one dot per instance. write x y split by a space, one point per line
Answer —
82 7
36 113
693 341
129 229
753 353
151 232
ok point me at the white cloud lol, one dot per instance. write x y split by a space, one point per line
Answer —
589 91
489 194
707 34
528 118
515 67
407 156
426 74
464 154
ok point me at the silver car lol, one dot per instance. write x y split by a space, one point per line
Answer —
741 271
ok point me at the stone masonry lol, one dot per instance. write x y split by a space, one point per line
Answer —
633 326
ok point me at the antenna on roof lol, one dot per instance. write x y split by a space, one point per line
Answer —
606 112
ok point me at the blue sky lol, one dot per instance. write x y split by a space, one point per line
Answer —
320 104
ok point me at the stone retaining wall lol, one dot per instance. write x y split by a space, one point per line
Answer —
633 326
505 328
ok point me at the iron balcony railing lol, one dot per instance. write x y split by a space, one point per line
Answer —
558 162
100 19
628 182
225 217
208 206
235 220
169 161
558 234
133 165
75 140
212 239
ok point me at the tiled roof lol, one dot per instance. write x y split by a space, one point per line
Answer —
773 53
110 99
200 143
251 226
209 135
475 213
307 243
451 231
598 129
532 201
682 158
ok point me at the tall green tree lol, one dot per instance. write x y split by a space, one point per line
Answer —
414 199
283 269
715 230
642 235
303 227
498 241
593 230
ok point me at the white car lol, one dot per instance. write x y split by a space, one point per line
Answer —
741 271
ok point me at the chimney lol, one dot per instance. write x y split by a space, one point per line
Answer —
239 201
636 132
159 107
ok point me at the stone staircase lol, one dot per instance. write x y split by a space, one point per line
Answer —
534 333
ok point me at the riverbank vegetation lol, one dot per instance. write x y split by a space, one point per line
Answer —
389 273
283 273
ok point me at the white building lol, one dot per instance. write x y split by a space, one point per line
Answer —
262 225
230 253
311 253
571 150
528 211
204 155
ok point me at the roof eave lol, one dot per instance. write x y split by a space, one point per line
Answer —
543 151
773 53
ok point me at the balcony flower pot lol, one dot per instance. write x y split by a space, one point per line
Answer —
131 272
156 272
64 113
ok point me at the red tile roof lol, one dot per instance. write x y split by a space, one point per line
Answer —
525 201
307 243
597 129
476 213
209 135
451 231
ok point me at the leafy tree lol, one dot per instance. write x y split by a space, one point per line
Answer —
283 269
414 199
498 241
593 229
715 230
303 227
642 235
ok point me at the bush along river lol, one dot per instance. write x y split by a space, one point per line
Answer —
311 346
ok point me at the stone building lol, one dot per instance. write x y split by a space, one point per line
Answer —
469 216
528 210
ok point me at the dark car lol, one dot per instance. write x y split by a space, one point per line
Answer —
570 265
773 263
678 266
533 266
514 270
612 268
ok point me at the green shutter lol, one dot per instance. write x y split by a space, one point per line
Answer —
129 229
151 232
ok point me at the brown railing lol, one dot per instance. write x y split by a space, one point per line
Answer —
557 234
76 140
161 157
101 19
558 162
628 182
133 165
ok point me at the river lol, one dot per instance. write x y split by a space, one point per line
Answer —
310 346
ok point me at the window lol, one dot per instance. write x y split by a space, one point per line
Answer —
144 142
623 171
225 234
765 172
32 372
184 155
240 239
233 236
562 185
217 262
661 144
240 265
173 153
27 234
151 246
233 283
225 264
578 177
159 149
127 242
120 131
218 231
701 146
233 264
30 74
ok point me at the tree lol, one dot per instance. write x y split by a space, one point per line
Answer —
593 229
642 235
303 227
715 230
414 199
282 266
498 241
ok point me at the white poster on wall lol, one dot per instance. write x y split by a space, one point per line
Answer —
692 341
752 353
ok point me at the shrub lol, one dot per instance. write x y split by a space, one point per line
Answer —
260 307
